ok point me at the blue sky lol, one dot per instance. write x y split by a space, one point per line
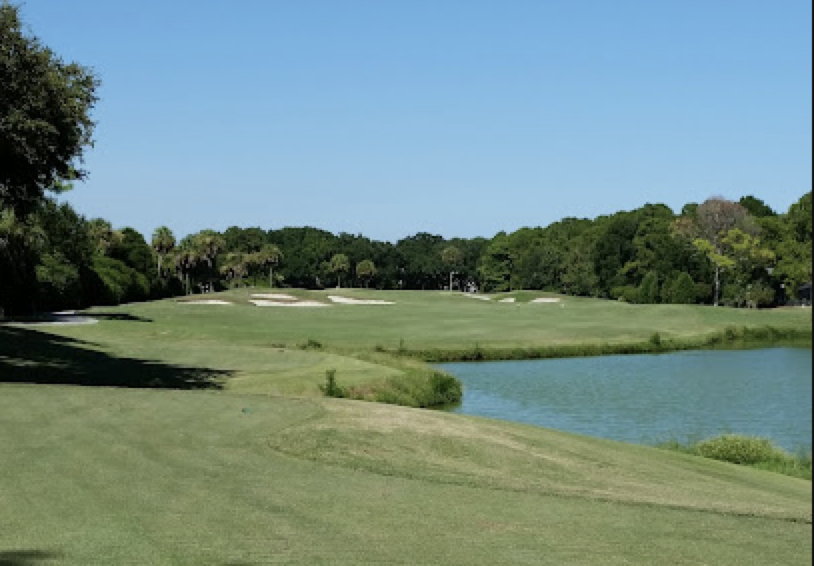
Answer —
456 117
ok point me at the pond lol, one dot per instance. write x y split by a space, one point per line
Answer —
647 399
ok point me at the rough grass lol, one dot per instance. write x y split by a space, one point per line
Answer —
124 476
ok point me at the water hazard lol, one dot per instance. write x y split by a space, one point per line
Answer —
651 398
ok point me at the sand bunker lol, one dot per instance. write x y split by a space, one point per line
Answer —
349 301
479 297
263 303
547 300
205 302
507 300
274 296
53 319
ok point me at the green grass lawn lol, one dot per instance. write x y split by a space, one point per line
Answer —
238 460
117 476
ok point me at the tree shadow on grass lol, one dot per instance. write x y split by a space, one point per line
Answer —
25 557
74 317
31 356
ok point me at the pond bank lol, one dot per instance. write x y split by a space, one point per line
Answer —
731 337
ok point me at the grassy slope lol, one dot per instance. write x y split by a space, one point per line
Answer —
100 475
114 476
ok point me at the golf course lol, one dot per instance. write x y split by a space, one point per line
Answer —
186 431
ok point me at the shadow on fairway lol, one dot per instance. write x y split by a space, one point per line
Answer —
30 356
66 317
25 557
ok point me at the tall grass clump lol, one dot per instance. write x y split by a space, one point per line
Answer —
331 388
752 451
416 388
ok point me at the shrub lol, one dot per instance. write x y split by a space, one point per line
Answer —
739 449
331 387
683 290
311 345
413 389
649 289
626 293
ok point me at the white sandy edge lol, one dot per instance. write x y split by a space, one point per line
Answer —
274 296
547 300
507 300
350 301
205 302
479 297
262 303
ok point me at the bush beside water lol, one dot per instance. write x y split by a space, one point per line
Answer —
420 389
750 451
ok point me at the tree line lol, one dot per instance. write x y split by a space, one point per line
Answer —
51 257
739 254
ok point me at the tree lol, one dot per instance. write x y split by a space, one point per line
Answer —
103 235
749 268
185 257
756 207
682 290
366 270
20 244
163 242
707 228
338 265
45 123
453 257
495 267
649 289
235 266
268 256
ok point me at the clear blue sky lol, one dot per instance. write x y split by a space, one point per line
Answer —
456 117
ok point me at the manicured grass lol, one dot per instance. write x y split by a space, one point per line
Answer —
241 461
123 476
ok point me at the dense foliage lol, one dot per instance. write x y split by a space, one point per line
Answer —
713 252
45 122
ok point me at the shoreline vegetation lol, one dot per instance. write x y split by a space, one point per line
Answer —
752 451
731 337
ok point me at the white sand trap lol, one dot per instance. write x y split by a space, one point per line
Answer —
547 300
479 297
274 296
349 301
507 300
205 302
263 303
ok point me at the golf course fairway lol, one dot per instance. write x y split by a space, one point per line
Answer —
221 450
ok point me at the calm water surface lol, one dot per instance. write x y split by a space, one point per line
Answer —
650 398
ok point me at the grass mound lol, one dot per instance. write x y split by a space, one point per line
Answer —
452 449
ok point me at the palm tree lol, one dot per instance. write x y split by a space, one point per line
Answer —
235 266
185 257
268 256
103 235
366 270
163 243
339 264
206 244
